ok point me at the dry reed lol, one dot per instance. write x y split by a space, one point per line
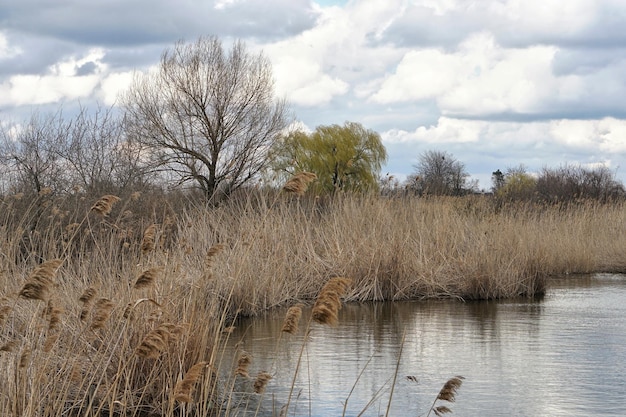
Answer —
105 204
292 319
149 239
147 278
183 390
86 298
25 357
299 183
157 341
4 313
261 381
328 302
88 295
243 362
8 346
39 283
210 257
51 339
53 313
447 393
101 312
411 248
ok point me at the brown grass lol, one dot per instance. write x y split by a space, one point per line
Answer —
280 251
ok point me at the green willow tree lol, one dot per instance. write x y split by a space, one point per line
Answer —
347 157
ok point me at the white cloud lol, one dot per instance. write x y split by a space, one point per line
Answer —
323 62
447 130
478 78
547 16
6 50
606 136
114 84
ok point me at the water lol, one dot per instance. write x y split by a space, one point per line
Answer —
564 355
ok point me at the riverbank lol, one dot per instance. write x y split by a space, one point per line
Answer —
134 302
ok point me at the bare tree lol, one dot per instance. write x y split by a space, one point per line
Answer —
30 153
207 115
439 173
100 155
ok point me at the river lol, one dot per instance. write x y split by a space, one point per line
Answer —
562 355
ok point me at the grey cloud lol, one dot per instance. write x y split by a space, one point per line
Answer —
128 58
87 68
37 54
419 27
572 112
578 61
139 22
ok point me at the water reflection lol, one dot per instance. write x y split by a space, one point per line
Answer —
562 356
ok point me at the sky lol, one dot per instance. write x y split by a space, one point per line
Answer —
495 83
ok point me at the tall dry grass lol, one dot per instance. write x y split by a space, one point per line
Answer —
95 322
405 248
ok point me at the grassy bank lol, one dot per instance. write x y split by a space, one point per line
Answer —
144 289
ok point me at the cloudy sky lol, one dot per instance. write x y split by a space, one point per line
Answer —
496 83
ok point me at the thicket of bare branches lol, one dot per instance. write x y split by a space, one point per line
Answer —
439 173
51 153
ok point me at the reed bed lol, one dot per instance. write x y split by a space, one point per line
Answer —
108 308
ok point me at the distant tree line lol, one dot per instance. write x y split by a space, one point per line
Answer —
564 184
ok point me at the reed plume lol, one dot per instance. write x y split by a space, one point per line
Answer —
86 297
37 286
4 313
8 346
328 303
261 382
184 388
69 231
153 344
53 313
101 312
104 206
243 362
447 393
157 340
50 341
299 183
292 319
25 358
149 239
45 191
210 257
147 278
